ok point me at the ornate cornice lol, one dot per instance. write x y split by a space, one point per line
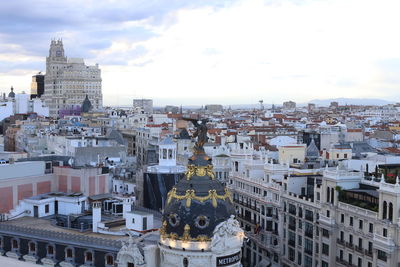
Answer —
191 195
199 171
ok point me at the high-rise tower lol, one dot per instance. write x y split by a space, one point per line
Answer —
69 80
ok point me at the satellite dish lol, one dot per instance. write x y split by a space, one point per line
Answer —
71 161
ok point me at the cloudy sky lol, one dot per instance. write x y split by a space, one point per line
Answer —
211 51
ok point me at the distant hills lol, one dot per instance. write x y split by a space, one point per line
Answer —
350 101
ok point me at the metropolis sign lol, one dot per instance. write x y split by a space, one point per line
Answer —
228 260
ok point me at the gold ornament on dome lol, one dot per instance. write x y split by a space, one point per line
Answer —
191 195
186 233
199 171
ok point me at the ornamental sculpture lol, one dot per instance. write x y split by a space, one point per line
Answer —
200 133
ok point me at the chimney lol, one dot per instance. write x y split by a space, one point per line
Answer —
96 215
126 206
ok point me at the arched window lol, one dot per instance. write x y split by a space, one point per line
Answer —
69 253
88 256
384 212
391 211
15 244
328 195
185 262
109 259
32 247
50 250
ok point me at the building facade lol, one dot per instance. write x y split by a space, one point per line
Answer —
69 80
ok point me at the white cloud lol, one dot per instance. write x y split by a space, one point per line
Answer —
252 50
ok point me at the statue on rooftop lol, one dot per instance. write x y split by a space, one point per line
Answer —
200 133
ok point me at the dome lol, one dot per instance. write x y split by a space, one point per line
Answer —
11 94
312 151
197 203
86 105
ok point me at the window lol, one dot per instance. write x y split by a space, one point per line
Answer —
370 247
350 258
351 239
325 249
351 221
384 210
371 228
360 224
32 247
385 232
341 236
341 254
308 246
359 264
325 233
292 209
292 239
89 256
308 230
307 261
360 243
324 264
68 253
309 215
299 258
328 213
109 260
382 255
342 218
14 243
291 254
46 208
185 262
50 250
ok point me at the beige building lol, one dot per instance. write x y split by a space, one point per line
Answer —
295 153
69 80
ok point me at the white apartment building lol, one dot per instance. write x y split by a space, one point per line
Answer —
21 104
314 217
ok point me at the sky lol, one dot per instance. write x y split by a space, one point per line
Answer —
211 51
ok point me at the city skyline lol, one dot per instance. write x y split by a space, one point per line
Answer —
237 52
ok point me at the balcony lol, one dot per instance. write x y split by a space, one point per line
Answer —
340 241
341 261
384 242
359 249
368 253
326 220
353 207
350 245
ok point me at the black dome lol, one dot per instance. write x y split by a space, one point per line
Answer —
86 105
197 204
11 94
